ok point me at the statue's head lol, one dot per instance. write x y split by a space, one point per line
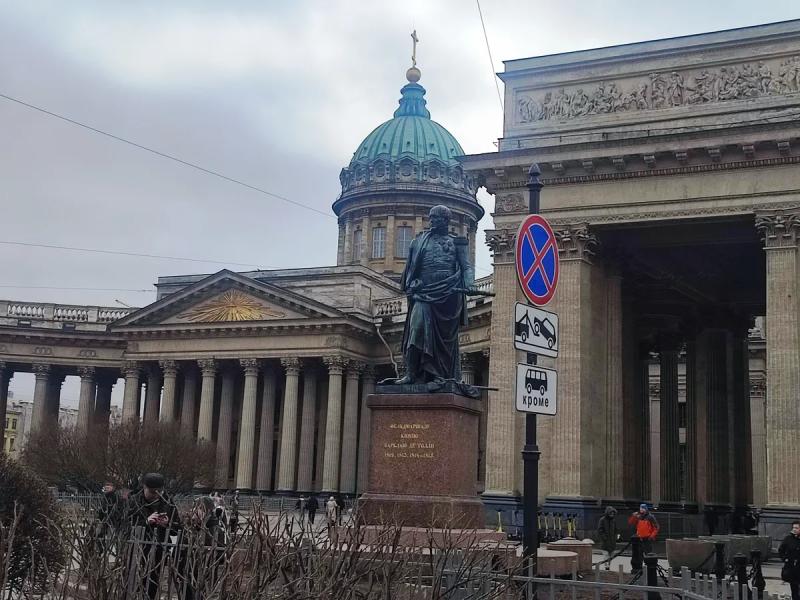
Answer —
440 217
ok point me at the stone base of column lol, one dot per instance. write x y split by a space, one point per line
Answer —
776 521
421 468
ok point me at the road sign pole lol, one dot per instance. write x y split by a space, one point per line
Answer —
530 452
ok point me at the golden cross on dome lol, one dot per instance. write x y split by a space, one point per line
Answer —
414 50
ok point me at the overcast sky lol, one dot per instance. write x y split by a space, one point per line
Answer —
276 94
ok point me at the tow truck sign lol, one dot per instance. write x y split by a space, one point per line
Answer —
536 389
535 330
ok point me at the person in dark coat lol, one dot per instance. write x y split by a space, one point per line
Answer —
789 551
312 505
151 517
607 532
202 556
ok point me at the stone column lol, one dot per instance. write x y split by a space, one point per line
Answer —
247 424
168 400
779 231
42 374
205 425
468 369
483 422
189 402
740 441
266 438
367 389
670 456
350 430
758 410
712 397
691 420
86 399
53 402
130 401
152 397
333 424
641 464
502 454
388 264
614 416
578 455
5 378
322 417
102 407
305 466
224 428
287 470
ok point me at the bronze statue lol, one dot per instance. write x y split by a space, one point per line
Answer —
437 278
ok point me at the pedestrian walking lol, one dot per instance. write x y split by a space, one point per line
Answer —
109 517
646 527
331 515
152 518
200 561
789 551
312 506
607 532
339 509
233 519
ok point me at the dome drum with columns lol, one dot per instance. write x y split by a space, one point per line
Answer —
399 172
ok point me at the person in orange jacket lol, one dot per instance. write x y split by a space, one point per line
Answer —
646 527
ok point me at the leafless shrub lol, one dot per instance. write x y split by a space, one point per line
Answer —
276 556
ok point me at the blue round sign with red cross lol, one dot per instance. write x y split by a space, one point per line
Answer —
537 260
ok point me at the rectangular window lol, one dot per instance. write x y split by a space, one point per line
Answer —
358 244
11 445
13 423
379 242
403 241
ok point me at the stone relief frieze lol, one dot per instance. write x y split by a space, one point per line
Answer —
510 203
664 90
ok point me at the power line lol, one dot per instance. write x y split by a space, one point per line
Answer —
81 289
136 254
164 155
491 60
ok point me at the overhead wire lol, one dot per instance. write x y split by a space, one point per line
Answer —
491 60
171 157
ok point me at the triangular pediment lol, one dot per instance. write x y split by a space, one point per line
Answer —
227 297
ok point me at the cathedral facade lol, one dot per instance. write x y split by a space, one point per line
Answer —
671 181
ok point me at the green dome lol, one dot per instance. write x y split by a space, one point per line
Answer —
410 133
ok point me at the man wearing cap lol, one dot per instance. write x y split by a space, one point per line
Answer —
646 527
152 517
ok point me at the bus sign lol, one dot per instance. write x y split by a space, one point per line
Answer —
536 389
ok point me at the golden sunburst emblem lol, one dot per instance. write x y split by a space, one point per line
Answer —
231 306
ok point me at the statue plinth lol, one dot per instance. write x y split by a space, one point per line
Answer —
423 461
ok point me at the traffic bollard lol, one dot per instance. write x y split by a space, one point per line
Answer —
758 576
651 562
636 554
740 563
719 562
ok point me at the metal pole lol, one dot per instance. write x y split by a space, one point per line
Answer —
530 452
651 562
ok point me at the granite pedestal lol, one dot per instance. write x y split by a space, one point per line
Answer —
423 461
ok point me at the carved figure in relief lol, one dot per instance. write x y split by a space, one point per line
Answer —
675 89
579 104
658 90
764 78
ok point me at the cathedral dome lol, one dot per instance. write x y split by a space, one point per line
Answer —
402 169
410 133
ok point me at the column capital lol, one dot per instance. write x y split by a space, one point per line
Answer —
291 364
501 242
576 242
251 366
368 374
779 229
335 364
87 373
41 370
170 368
208 367
354 368
487 352
131 368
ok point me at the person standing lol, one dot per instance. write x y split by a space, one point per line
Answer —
607 532
312 506
331 512
789 551
646 527
156 517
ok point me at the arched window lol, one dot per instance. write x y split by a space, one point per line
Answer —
403 241
379 242
358 244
